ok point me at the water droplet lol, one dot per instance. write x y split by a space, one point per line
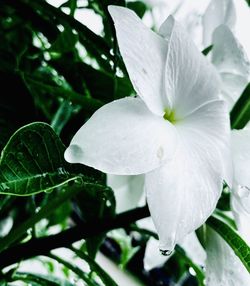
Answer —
160 152
4 187
243 192
19 155
165 252
78 181
73 154
48 191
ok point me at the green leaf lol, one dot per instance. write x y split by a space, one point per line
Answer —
65 42
138 7
239 246
84 276
39 279
96 204
106 279
240 114
207 50
32 162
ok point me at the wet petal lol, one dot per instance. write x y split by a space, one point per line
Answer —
241 156
183 193
190 79
231 61
128 190
144 53
218 12
152 257
223 267
240 202
123 138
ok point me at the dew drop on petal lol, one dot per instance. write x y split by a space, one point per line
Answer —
165 252
73 154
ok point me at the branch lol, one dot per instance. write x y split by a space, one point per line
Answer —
40 246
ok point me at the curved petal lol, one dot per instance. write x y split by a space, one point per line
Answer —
241 156
233 86
194 249
240 202
190 79
231 61
144 54
223 267
123 138
152 257
218 12
183 193
128 190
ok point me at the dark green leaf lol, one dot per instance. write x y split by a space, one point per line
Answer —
138 7
65 42
79 272
240 114
239 246
32 162
106 279
95 204
207 50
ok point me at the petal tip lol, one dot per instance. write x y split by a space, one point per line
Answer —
73 154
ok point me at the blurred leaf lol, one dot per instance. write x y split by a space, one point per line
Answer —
62 116
207 50
239 246
240 114
138 7
106 279
65 42
79 272
95 204
32 162
36 278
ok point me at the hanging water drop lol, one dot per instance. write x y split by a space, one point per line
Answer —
165 252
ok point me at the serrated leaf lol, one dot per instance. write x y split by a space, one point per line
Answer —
239 246
32 162
240 114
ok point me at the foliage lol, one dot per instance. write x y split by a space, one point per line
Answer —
54 73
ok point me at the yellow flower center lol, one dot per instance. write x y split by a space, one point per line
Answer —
169 115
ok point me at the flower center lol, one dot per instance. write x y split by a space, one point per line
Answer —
169 115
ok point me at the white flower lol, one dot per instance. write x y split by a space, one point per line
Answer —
128 191
190 244
231 62
217 13
176 132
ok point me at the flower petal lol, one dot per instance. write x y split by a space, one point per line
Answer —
218 12
128 190
232 87
190 79
183 193
152 257
231 61
241 156
123 138
240 202
223 267
144 54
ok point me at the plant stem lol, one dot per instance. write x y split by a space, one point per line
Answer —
40 246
